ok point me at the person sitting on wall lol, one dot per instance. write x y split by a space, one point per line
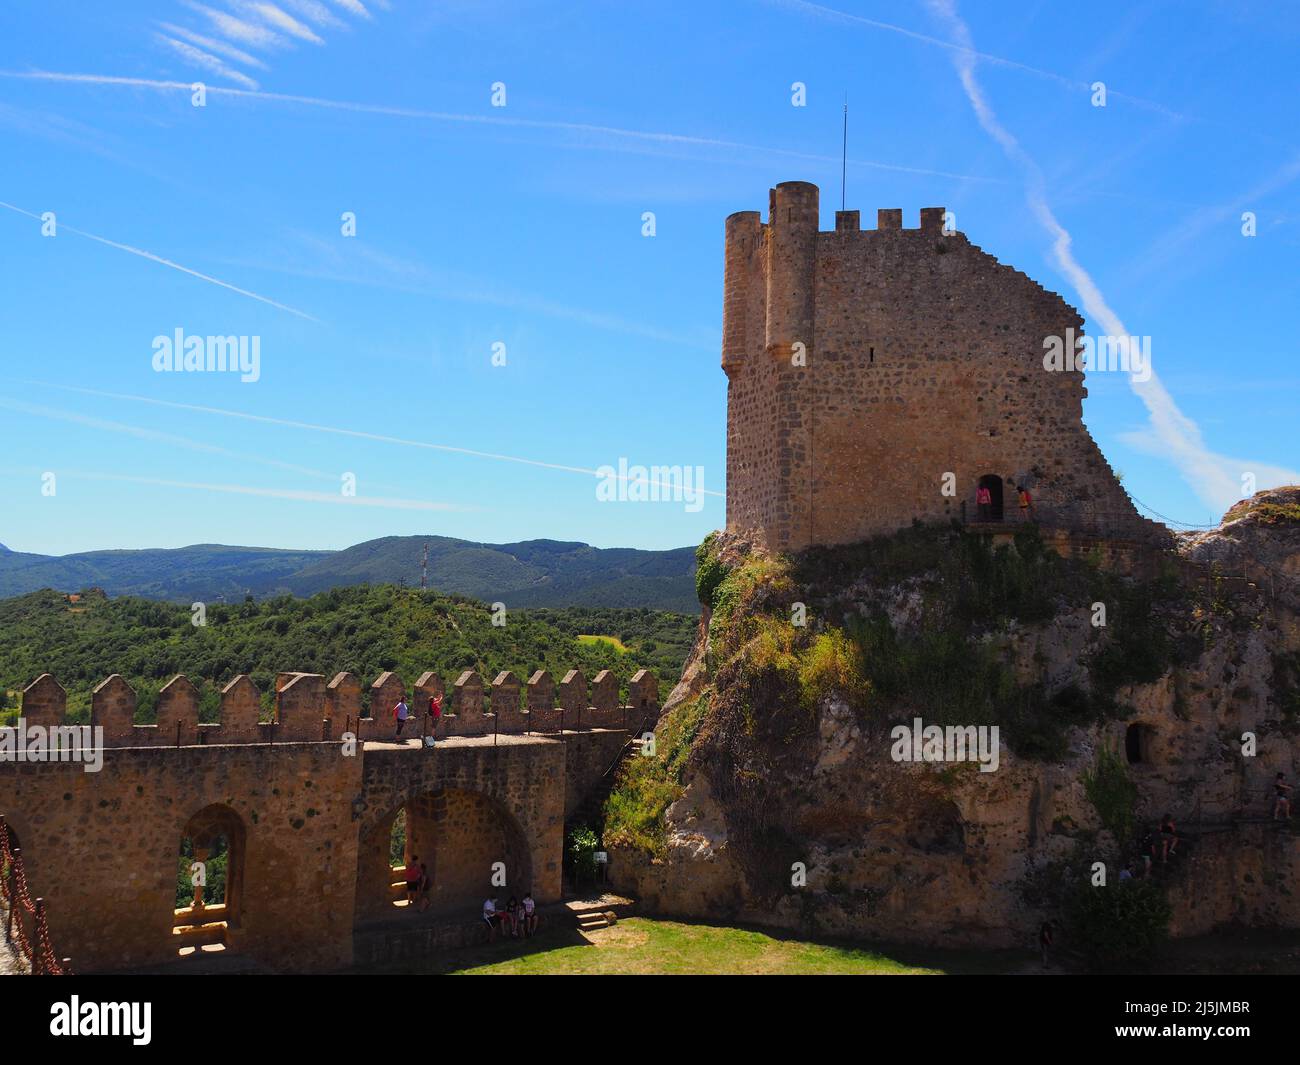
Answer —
1282 798
513 916
529 908
984 502
1026 503
491 916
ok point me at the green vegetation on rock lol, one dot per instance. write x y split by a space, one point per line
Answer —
634 813
1112 794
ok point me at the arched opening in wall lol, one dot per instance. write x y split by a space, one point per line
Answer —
471 846
936 827
209 881
992 510
1137 743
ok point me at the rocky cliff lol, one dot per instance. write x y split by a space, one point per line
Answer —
776 794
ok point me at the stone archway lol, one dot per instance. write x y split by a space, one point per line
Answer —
465 838
993 483
214 841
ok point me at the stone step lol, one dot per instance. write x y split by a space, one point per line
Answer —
194 936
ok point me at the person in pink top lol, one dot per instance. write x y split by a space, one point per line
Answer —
414 875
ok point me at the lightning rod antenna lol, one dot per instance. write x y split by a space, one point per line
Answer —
844 156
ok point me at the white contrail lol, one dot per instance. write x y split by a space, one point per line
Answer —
1215 478
354 433
805 7
205 60
168 262
295 495
616 132
156 436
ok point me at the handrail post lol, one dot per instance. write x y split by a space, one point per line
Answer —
11 889
38 957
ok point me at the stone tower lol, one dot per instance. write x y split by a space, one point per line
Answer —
879 376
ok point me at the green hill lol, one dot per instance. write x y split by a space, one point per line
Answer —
533 573
363 629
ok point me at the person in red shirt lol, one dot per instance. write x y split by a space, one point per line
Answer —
435 712
1026 504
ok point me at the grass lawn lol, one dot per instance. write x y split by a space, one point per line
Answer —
613 641
641 945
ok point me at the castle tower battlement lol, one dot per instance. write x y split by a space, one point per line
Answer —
880 376
307 709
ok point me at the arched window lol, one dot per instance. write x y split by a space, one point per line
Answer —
1137 743
209 880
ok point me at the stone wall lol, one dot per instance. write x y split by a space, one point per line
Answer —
923 355
102 849
311 798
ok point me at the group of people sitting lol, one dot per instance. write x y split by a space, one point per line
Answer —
517 919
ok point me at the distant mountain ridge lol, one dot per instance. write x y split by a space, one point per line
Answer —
532 573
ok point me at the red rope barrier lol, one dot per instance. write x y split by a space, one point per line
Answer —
17 896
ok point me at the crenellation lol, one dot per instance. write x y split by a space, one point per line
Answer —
300 708
509 716
604 709
45 702
241 708
343 701
178 712
112 708
572 698
467 706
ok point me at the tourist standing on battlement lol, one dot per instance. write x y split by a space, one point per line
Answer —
435 713
1026 504
401 712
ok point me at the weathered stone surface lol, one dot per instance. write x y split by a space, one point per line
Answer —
864 365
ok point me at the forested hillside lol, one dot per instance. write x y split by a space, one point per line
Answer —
362 629
532 573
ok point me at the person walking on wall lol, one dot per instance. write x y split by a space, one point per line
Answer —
1026 503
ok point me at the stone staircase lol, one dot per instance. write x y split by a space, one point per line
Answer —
591 811
593 914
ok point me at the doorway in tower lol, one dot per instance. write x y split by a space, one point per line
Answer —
993 511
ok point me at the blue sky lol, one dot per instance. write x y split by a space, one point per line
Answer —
522 225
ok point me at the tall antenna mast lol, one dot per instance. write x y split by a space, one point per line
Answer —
844 156
424 569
